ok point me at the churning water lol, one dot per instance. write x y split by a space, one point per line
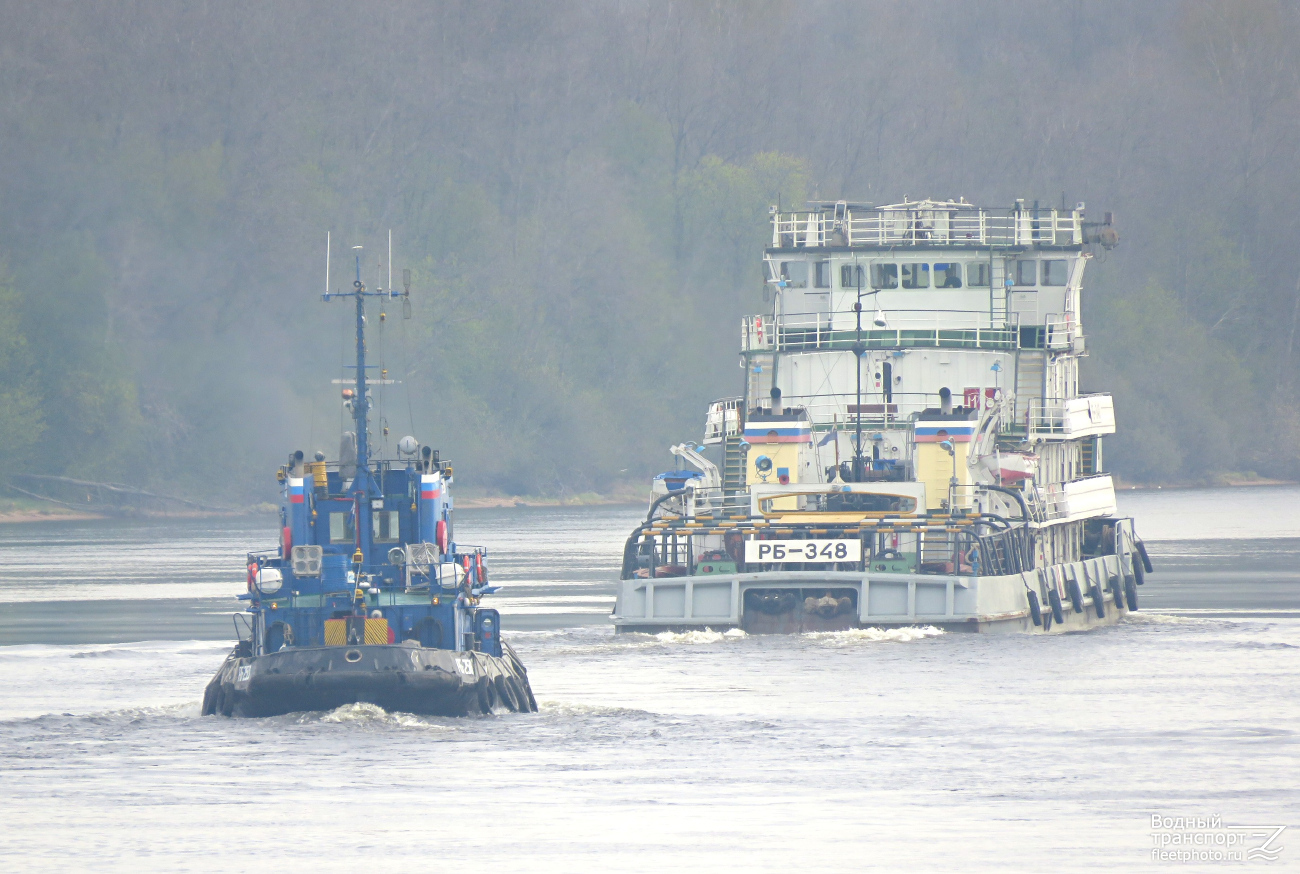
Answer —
890 750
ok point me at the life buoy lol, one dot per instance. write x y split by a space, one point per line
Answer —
1035 610
479 573
286 541
440 534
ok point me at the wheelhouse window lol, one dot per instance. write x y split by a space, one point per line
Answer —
884 276
386 526
822 274
1026 273
947 275
342 527
916 275
852 276
794 274
1056 272
977 274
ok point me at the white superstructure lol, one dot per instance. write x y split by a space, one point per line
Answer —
929 343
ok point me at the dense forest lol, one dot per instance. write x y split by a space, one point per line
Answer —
580 190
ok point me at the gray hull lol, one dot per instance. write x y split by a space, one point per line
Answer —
403 678
801 601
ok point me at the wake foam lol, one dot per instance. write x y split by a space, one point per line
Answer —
708 635
1145 618
367 715
574 710
874 635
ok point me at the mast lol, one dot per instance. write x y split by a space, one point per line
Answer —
362 482
360 409
859 469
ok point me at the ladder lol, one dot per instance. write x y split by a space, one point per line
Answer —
1031 368
733 465
998 294
1089 463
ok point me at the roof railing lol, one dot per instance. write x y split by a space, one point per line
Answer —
927 223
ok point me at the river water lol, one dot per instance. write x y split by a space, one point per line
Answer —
867 750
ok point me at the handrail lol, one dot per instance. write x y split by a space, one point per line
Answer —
906 328
672 542
1047 416
927 224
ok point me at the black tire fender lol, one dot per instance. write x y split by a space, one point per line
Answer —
1076 595
1139 571
1131 595
1035 609
1146 559
1054 597
1098 601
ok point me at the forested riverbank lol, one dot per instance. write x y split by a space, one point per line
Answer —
581 192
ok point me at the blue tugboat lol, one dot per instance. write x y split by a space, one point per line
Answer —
368 598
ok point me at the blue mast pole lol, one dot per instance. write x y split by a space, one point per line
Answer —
360 411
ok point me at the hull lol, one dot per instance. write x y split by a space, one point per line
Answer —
1088 594
403 678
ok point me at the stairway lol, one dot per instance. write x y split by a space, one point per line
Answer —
1030 370
1089 463
733 465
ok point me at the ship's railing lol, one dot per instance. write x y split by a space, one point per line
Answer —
1062 333
841 410
1082 416
757 333
720 503
926 224
1045 417
723 420
841 321
705 545
837 330
1047 503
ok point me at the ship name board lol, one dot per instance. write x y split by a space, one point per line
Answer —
764 551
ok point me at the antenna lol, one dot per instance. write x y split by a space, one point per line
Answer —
390 259
859 472
327 262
